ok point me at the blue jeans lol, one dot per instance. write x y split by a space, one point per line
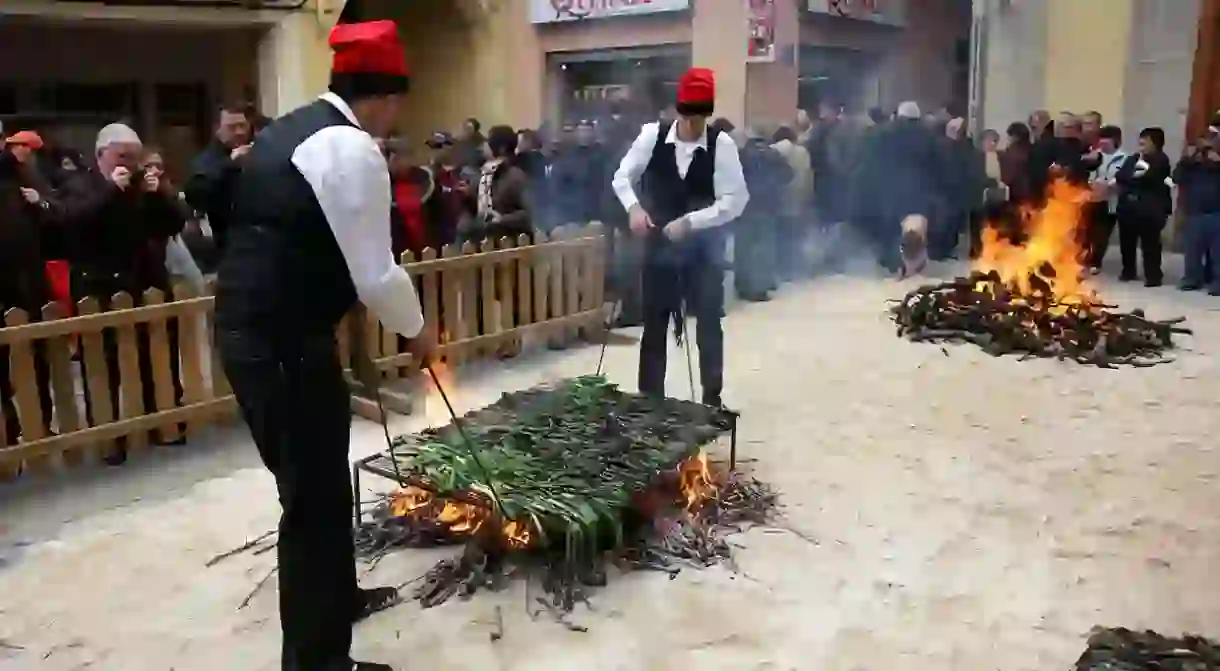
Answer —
1202 254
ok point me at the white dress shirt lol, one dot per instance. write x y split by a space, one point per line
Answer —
351 181
727 180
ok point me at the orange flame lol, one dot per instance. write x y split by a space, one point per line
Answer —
696 482
459 517
1053 254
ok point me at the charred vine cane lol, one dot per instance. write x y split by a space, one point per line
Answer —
977 309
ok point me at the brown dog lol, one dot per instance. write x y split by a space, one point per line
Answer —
913 245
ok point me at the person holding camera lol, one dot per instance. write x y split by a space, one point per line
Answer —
117 222
1197 176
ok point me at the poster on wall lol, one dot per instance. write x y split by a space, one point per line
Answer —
761 47
557 11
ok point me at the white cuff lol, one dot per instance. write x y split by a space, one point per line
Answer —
395 304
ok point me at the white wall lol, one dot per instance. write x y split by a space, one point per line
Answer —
1014 62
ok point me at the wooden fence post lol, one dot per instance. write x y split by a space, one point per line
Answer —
190 352
58 358
25 387
454 327
96 377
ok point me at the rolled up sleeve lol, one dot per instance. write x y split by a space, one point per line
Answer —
351 181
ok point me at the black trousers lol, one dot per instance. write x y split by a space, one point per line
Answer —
1101 229
695 285
625 279
1142 233
296 403
754 258
42 378
789 241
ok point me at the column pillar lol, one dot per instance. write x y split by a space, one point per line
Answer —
1205 76
1088 43
293 63
1015 61
510 69
720 29
771 88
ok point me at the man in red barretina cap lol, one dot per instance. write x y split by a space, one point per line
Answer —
310 237
681 182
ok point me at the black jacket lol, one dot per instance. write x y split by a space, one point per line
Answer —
116 238
1198 179
209 189
1145 195
23 227
901 172
767 175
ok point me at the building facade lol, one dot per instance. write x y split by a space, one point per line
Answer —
526 62
67 67
1140 63
164 64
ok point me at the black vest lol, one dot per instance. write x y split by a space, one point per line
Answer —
283 275
666 195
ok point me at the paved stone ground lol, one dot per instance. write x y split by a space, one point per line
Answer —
966 512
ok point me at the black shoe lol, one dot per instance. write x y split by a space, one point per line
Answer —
375 600
1152 284
119 456
1127 277
1189 286
371 666
1214 291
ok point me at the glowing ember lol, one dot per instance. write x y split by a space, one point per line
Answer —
459 518
696 482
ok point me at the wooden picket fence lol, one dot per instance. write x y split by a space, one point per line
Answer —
491 300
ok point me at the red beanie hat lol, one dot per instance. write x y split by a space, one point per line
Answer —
697 92
369 57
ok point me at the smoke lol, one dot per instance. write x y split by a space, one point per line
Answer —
838 249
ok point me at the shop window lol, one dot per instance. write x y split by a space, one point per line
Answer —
8 99
835 76
636 84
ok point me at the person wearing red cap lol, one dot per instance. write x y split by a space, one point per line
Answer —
690 184
26 229
310 237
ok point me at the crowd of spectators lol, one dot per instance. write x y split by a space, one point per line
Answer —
74 227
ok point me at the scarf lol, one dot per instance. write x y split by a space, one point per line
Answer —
486 177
